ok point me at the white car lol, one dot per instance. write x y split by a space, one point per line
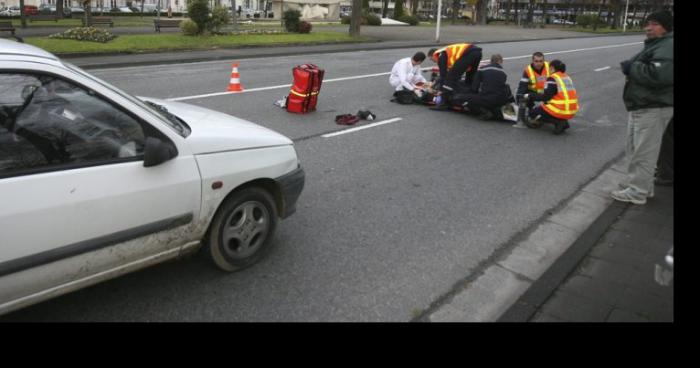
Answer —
12 11
95 183
562 21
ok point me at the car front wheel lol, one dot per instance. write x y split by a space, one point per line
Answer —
242 229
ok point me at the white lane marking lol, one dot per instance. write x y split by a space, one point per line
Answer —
361 127
230 93
275 87
603 68
385 73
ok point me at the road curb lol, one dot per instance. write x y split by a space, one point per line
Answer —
241 53
519 279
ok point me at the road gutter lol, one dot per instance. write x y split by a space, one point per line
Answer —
519 277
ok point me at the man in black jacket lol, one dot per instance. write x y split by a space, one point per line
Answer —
489 91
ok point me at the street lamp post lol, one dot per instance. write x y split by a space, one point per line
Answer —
439 16
624 24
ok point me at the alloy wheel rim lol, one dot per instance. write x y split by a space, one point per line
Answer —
245 229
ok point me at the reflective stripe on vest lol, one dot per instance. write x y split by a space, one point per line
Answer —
454 52
537 81
564 105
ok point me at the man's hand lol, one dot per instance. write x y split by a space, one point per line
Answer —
625 66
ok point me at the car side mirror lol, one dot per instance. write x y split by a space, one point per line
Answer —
157 151
28 90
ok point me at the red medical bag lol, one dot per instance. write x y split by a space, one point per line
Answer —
307 84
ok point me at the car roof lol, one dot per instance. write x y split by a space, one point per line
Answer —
14 48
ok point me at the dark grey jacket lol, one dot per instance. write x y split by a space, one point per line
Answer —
650 80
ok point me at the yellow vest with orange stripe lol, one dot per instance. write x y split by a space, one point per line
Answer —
454 52
537 81
564 105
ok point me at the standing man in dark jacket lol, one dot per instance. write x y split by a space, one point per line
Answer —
648 97
454 61
489 90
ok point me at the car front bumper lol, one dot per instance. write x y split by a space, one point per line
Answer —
291 186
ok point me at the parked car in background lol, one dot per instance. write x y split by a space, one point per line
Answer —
77 10
96 183
51 9
153 8
562 21
31 10
12 11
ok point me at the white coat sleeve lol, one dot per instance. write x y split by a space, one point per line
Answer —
405 77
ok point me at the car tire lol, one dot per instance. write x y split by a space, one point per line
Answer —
242 229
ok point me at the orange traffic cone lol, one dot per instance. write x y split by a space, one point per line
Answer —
235 84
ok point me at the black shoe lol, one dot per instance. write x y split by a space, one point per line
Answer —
560 126
485 115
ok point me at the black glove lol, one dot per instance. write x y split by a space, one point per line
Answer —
625 66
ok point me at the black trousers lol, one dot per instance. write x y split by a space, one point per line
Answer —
470 58
664 165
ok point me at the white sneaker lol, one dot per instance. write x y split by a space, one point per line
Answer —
628 195
624 186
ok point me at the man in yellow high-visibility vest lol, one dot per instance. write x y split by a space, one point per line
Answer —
559 100
454 61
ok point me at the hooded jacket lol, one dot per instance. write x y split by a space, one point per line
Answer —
650 79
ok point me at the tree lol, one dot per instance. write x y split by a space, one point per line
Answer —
22 16
385 8
509 6
600 12
198 11
455 10
398 9
355 18
59 9
544 12
482 8
414 7
530 13
88 11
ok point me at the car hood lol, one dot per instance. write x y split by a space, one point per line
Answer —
214 131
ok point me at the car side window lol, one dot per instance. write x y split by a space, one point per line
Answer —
46 121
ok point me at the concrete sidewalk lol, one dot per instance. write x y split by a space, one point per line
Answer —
609 278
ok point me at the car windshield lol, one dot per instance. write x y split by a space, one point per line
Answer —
157 110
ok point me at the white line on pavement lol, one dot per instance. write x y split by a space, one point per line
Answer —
275 87
361 127
603 68
385 73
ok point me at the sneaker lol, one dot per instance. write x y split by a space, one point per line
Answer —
628 195
624 186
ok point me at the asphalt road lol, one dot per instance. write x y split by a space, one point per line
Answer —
391 216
